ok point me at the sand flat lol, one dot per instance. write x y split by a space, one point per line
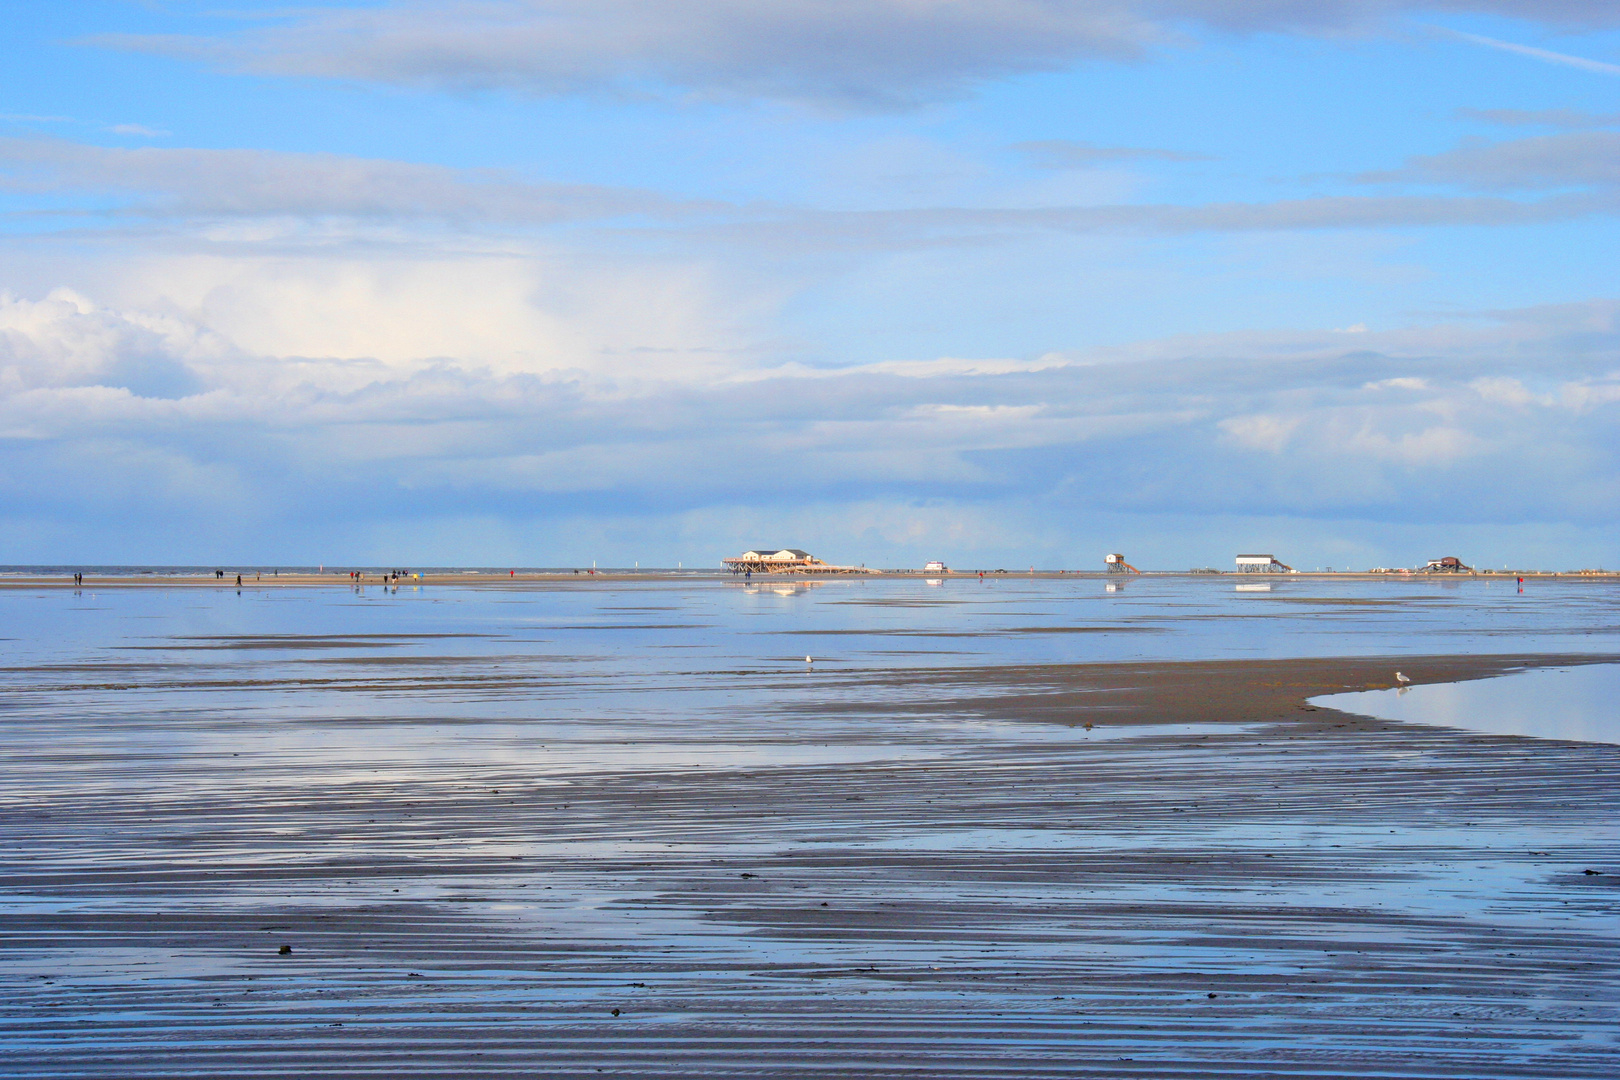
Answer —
965 882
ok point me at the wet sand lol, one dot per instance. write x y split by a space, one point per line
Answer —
1215 879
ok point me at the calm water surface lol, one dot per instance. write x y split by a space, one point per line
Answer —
690 626
694 656
1580 703
689 647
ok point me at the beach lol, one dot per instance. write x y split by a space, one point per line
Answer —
629 830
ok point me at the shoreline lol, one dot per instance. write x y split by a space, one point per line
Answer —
373 578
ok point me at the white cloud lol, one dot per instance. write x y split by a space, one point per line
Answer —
1268 433
1586 394
194 183
355 312
324 202
1421 425
1503 390
1432 446
64 341
871 53
1576 159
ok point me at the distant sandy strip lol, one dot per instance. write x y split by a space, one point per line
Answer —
373 578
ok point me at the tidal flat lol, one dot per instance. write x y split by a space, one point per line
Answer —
1019 827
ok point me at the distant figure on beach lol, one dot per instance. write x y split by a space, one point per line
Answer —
238 581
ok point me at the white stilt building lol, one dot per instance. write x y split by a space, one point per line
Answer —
785 561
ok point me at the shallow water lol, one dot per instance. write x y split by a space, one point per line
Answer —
1580 703
647 668
892 622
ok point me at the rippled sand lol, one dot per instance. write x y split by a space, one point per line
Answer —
497 852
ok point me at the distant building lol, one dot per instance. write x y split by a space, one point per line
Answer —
1448 565
1262 564
785 561
934 566
1116 564
765 560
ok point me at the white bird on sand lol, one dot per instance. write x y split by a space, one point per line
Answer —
808 660
1402 679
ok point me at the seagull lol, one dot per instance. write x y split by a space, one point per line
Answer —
808 660
1402 679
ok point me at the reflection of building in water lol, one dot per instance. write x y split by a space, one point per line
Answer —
1448 565
1117 565
1262 564
785 561
780 588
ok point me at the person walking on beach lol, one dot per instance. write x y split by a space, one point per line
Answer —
238 581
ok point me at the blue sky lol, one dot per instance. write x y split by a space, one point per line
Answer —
538 282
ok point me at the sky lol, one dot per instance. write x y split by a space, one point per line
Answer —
1003 283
